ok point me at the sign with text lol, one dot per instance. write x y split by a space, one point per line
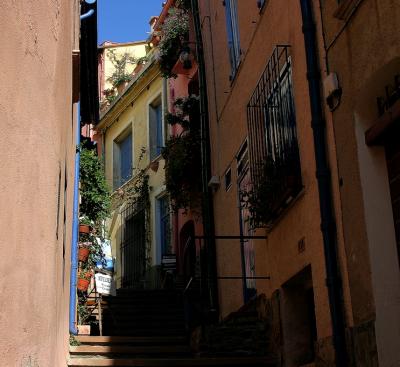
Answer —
104 284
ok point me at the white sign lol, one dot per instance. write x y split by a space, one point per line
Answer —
104 284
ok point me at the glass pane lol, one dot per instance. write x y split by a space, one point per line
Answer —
126 158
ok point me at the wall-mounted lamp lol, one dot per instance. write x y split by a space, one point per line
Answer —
332 91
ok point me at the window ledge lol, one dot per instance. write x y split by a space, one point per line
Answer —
274 223
345 9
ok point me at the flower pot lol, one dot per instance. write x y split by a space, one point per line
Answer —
83 329
83 253
83 284
84 228
121 87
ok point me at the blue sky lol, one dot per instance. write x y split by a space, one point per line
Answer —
125 20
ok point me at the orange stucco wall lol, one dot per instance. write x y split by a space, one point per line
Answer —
36 167
279 23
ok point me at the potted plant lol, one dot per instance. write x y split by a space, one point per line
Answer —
175 33
84 228
84 251
83 315
84 276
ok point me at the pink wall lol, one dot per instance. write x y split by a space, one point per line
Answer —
178 88
36 168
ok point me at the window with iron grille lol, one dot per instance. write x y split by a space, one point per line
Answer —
274 153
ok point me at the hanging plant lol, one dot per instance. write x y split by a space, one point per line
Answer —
183 4
182 155
175 33
277 183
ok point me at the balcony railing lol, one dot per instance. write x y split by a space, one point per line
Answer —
274 153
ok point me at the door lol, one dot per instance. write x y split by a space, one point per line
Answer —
133 245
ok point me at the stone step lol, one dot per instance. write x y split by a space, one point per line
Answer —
145 315
145 322
131 340
122 330
129 350
170 362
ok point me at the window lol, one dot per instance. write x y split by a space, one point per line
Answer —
274 153
156 128
232 29
164 225
122 159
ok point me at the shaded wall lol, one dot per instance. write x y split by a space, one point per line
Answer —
364 50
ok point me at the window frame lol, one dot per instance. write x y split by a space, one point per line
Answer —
155 105
233 36
118 180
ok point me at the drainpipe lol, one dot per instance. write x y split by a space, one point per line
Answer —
90 12
75 221
328 223
208 210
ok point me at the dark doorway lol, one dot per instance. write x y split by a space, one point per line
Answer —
298 319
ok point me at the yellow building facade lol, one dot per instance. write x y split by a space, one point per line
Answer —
133 132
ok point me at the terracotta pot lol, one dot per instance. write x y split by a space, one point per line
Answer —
84 228
83 329
83 284
83 253
121 87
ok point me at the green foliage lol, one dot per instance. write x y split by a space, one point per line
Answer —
175 32
183 4
182 155
83 311
186 112
135 188
120 63
95 194
73 341
277 182
182 168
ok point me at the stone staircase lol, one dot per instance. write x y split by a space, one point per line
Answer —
146 328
